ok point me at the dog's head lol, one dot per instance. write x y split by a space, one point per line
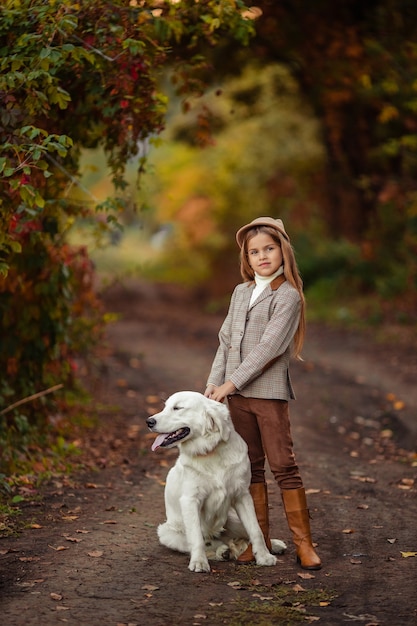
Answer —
192 420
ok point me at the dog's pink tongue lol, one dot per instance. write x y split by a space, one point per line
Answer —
157 443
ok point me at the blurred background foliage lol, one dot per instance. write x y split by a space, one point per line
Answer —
306 111
258 154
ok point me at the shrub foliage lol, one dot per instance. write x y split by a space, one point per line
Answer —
75 75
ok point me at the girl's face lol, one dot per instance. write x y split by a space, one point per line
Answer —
264 254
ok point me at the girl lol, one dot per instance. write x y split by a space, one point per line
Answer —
265 324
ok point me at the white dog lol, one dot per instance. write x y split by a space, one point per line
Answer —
208 484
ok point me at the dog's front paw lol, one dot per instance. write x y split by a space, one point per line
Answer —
266 559
200 564
278 546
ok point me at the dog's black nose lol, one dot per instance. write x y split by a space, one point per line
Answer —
151 422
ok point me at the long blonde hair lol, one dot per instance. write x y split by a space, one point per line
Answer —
291 273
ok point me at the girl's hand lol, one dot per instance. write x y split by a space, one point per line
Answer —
220 393
209 390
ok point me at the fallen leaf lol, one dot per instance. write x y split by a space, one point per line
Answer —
323 603
56 596
28 559
305 575
69 518
356 562
200 616
109 521
235 584
298 588
61 607
387 433
391 540
153 476
363 506
348 531
399 405
149 587
91 486
258 595
84 532
95 553
408 554
31 583
73 539
409 482
215 603
153 399
276 583
58 548
310 491
35 526
364 479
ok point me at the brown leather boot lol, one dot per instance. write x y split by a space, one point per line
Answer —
298 518
259 495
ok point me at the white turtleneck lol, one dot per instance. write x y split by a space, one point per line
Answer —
263 281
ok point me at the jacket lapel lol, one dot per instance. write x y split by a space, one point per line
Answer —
276 283
247 293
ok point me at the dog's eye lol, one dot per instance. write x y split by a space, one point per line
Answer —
177 408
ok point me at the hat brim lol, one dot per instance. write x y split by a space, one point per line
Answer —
259 222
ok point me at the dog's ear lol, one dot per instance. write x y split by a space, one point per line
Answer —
218 414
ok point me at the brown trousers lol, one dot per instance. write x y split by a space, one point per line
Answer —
265 426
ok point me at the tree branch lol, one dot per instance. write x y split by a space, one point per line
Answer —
30 398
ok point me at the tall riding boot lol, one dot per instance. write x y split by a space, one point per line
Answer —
298 518
259 495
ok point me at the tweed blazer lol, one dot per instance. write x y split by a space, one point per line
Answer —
255 341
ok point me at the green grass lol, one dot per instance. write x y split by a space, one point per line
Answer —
286 604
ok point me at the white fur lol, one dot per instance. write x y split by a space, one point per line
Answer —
209 509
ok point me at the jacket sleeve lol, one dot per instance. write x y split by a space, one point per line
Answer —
276 338
218 368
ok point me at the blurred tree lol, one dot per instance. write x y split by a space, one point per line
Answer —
356 63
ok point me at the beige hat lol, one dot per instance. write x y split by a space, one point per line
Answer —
261 221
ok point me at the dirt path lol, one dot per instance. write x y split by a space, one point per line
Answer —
90 554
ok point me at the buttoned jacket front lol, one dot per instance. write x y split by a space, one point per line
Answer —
255 341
